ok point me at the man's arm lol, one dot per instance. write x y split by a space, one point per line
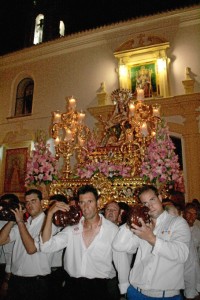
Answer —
27 239
4 233
47 228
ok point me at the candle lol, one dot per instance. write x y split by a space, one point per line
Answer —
72 103
81 116
156 110
56 117
57 140
144 130
68 134
140 94
131 109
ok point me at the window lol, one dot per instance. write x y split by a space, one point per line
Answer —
62 28
24 97
39 26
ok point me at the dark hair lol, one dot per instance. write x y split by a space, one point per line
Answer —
147 187
190 205
58 197
88 189
10 197
34 191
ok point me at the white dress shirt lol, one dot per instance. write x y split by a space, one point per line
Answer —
94 261
6 253
24 264
160 267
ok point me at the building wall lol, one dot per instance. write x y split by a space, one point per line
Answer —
78 64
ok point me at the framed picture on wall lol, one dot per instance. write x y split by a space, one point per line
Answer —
15 167
144 77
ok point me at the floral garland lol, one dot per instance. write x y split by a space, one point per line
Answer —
110 170
42 166
160 166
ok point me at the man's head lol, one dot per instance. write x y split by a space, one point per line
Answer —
190 214
149 196
88 199
58 197
112 211
33 202
8 202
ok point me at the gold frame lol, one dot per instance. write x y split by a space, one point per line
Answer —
108 189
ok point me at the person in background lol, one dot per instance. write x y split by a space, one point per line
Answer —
191 266
7 248
112 211
197 204
30 268
163 248
89 256
124 210
190 215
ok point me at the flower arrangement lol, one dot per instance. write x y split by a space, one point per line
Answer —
110 170
90 167
42 166
160 166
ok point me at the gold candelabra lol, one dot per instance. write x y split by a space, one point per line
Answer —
127 133
69 133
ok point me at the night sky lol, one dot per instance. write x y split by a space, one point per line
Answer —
80 16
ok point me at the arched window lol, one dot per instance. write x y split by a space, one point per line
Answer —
24 97
62 28
39 26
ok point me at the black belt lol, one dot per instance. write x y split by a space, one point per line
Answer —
38 277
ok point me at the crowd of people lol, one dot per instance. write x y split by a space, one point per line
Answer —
102 256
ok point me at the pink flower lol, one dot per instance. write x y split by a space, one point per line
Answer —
42 166
160 165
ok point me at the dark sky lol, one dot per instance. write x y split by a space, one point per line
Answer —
84 15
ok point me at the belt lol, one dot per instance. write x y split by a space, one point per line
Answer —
158 293
29 277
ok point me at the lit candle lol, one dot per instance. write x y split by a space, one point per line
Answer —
131 109
72 103
81 116
56 117
140 94
68 134
57 141
156 110
144 130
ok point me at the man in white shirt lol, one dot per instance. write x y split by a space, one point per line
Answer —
192 268
163 248
89 256
30 268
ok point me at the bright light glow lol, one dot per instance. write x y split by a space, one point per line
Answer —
123 71
161 64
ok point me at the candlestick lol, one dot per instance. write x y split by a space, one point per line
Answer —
56 117
131 109
144 130
140 94
81 116
68 134
72 103
156 110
